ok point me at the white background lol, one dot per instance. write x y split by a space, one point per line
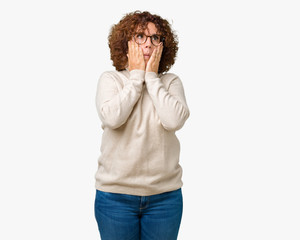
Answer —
239 63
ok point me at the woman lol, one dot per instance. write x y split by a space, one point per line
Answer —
138 182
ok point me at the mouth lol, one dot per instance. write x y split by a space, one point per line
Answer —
147 55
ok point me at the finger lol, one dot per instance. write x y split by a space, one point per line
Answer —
135 45
129 48
157 55
129 44
153 56
132 47
160 50
154 53
138 51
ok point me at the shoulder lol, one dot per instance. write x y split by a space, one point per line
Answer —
112 78
167 78
168 75
112 75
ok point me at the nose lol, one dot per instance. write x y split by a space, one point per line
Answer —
148 42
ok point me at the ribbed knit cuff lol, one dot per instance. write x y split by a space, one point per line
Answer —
137 74
151 75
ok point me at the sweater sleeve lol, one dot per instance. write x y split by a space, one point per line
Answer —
170 103
114 105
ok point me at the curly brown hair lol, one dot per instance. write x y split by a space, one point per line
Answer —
122 32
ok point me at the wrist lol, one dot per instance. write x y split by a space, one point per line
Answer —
151 75
137 73
151 70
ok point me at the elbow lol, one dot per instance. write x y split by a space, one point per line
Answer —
112 121
176 123
172 127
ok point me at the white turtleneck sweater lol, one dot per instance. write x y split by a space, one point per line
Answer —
140 112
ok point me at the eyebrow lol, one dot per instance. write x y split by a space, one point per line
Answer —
145 34
139 30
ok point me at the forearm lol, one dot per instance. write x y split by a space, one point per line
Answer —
114 106
170 104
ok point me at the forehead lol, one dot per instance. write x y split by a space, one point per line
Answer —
150 29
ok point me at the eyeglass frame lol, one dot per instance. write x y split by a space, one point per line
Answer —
161 39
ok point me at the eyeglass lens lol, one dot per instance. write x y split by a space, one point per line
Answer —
141 38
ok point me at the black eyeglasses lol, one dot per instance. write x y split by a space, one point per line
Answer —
141 38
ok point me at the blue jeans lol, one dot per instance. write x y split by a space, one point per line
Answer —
130 217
